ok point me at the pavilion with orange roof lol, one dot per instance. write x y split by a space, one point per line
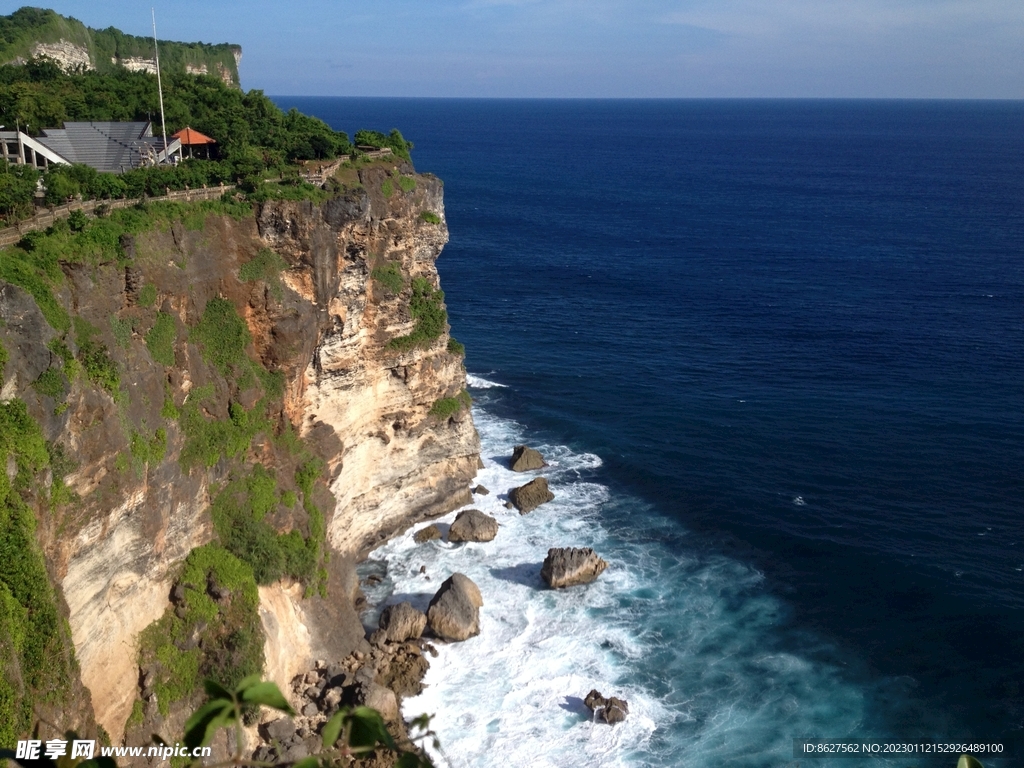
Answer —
190 137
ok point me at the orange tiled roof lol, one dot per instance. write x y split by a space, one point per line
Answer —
191 137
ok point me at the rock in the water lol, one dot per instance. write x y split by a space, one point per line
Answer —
611 710
473 525
527 498
480 491
614 711
568 566
380 698
454 612
595 700
430 533
402 622
525 458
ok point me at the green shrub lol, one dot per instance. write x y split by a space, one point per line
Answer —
266 266
387 188
230 635
456 347
407 183
98 367
208 440
51 383
449 406
149 451
222 336
161 337
430 217
427 308
147 296
390 276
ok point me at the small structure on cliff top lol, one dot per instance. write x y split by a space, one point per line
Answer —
107 146
193 139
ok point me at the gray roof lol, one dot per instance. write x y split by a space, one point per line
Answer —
106 146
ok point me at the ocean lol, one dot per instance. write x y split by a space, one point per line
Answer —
774 354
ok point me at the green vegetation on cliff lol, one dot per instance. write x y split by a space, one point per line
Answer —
214 633
426 306
36 664
23 29
447 407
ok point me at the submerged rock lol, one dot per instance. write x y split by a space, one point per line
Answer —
525 458
402 622
430 533
480 491
473 525
527 498
454 612
569 566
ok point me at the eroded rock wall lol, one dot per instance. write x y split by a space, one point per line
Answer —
365 408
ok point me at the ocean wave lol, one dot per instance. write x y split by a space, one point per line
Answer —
479 382
687 640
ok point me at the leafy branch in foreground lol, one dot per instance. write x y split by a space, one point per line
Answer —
348 733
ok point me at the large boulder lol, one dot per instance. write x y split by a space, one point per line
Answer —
611 710
430 533
527 498
568 566
402 622
525 458
454 612
473 525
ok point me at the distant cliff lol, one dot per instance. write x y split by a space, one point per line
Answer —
34 32
208 411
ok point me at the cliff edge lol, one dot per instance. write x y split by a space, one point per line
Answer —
237 401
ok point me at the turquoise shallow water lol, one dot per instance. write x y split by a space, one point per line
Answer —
790 335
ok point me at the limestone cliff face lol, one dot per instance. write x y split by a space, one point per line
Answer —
362 405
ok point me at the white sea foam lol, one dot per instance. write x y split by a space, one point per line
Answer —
686 640
479 382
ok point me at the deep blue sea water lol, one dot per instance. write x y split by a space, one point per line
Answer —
776 349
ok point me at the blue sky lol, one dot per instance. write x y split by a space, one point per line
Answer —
601 48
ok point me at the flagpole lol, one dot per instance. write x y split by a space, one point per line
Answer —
159 85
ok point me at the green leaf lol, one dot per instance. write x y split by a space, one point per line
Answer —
308 762
216 691
966 761
332 728
267 694
409 760
248 682
367 729
206 720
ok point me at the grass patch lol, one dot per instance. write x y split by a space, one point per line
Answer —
60 348
122 330
387 188
407 183
217 639
222 336
207 440
161 337
147 296
427 308
456 348
98 367
266 266
238 514
148 451
390 276
447 407
430 217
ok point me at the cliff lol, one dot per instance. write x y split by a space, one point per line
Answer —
235 406
34 32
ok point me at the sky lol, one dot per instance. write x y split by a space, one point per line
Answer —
600 48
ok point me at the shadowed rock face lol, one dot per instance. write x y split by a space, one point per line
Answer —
429 533
569 566
361 406
454 612
527 498
473 525
524 459
402 622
